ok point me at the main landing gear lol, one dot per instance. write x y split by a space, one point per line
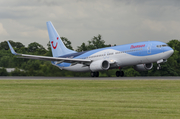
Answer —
119 73
95 74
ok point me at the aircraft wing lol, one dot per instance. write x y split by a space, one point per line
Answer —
58 60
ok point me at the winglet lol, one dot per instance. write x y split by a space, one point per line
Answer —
11 48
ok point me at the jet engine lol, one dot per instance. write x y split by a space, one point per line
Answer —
99 65
143 67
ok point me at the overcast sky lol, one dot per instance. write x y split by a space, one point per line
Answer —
118 21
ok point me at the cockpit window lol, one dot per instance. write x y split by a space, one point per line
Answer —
164 45
161 45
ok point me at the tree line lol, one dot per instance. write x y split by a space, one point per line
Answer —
45 68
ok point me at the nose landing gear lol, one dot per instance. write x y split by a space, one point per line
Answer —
160 61
159 67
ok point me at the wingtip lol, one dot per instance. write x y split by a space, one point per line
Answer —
48 22
11 48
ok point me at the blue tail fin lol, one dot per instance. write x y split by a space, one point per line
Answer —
57 46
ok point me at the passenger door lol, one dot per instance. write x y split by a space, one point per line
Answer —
149 49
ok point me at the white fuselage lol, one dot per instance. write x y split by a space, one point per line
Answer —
122 58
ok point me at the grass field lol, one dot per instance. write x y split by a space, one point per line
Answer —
86 99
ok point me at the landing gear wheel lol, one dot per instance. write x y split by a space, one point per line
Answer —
95 74
118 73
121 73
92 74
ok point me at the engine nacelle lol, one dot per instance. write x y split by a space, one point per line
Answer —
99 65
143 67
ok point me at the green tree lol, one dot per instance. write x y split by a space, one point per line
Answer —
18 72
67 43
83 47
4 45
130 72
95 43
49 52
174 44
36 48
16 44
3 72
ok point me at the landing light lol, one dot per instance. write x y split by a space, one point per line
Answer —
112 61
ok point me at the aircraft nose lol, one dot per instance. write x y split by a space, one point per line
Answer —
172 51
169 52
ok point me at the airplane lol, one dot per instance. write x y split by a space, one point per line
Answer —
141 55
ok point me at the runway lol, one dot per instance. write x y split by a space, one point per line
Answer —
88 78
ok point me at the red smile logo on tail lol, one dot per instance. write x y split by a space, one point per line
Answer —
56 44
